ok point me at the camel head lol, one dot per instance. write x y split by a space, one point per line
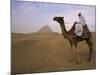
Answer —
58 19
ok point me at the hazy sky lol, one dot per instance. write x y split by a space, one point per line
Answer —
29 17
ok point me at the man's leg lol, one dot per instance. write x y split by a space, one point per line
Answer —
85 32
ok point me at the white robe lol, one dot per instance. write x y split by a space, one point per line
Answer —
82 20
79 27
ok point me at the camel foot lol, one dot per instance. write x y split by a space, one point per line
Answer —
70 61
78 62
89 60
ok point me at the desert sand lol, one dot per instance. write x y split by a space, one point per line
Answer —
47 52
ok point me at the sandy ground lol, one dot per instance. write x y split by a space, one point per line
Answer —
47 52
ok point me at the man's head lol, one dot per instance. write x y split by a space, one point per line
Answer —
79 14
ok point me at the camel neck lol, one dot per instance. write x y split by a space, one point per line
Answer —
63 29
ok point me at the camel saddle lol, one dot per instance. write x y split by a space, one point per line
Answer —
85 33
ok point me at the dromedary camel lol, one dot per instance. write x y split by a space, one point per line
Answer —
70 35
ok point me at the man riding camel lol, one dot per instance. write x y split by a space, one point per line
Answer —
80 26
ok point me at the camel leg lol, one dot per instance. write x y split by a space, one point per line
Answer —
72 53
77 54
71 44
89 42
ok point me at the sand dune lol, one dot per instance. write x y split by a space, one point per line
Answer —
45 52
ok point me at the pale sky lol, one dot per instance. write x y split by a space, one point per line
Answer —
29 17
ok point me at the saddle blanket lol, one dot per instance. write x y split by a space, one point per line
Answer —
78 29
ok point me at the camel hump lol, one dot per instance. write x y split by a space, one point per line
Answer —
72 31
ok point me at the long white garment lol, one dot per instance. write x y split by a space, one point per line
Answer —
78 29
82 20
79 26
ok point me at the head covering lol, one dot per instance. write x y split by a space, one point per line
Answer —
79 14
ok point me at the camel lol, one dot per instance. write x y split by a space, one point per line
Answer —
70 35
